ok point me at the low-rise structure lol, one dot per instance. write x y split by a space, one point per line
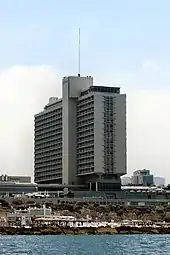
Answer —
142 177
24 217
126 181
12 178
159 181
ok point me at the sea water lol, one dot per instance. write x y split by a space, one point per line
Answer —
90 245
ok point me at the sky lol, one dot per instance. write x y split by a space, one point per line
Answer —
124 43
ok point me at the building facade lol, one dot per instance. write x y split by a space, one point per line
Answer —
159 181
48 143
142 177
13 178
125 181
81 138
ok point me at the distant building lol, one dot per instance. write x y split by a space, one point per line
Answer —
142 177
19 179
126 181
23 217
159 181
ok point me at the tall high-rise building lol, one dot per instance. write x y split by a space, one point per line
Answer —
48 143
81 138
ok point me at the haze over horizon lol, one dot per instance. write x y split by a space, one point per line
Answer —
123 43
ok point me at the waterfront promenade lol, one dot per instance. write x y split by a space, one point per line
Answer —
41 216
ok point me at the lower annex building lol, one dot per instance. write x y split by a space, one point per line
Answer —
81 138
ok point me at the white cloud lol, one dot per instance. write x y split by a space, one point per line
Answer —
148 131
25 90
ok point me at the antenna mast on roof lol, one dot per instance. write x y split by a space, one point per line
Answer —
79 53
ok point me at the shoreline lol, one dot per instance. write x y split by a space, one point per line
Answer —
83 231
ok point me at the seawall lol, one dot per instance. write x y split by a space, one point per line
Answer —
82 231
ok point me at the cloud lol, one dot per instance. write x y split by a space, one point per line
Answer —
25 90
148 131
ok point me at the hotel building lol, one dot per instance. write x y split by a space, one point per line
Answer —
81 138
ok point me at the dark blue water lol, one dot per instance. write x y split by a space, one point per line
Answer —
77 245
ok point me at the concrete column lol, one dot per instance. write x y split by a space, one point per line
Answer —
96 186
71 88
65 190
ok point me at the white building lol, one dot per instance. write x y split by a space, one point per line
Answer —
126 180
81 138
142 177
159 181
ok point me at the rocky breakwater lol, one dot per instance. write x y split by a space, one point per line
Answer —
83 231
